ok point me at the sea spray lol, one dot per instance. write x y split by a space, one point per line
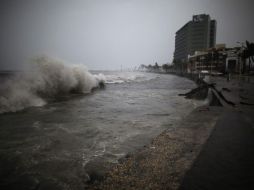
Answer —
48 79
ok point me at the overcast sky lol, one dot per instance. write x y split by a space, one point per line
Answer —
105 34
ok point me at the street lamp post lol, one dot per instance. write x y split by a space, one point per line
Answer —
239 59
211 64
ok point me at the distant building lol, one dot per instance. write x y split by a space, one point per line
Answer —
215 60
196 35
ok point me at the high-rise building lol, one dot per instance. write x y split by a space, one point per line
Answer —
196 35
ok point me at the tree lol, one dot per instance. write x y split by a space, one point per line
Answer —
165 67
247 53
156 66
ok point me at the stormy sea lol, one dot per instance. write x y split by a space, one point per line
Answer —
61 124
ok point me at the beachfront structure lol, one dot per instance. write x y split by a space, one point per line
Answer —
215 60
196 35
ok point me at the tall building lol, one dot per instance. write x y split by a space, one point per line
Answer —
196 35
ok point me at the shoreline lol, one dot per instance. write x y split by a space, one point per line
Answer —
172 158
163 163
128 175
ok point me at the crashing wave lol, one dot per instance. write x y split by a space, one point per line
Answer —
48 79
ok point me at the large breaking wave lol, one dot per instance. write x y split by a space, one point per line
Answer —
48 79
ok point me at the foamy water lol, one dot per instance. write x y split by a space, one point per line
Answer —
60 144
48 79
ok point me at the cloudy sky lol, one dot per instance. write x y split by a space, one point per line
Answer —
105 34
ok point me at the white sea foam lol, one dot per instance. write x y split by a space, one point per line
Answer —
122 77
49 79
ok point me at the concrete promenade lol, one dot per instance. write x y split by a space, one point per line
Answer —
227 158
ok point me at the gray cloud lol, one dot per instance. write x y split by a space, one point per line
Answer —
105 34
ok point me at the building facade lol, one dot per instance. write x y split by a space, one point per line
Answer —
215 60
196 35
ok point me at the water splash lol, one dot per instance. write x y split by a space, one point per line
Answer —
49 79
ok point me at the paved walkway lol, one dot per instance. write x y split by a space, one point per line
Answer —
238 91
227 159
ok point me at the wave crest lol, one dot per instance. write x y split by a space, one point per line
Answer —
49 79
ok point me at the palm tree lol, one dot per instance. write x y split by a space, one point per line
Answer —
249 53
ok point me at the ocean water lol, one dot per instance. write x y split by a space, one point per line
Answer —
54 145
